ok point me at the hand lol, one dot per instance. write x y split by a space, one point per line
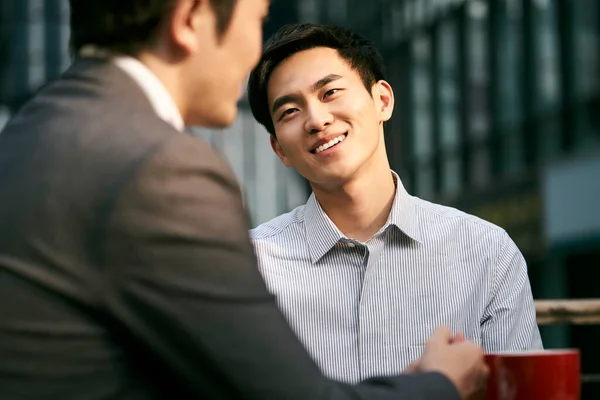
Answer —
412 367
458 338
458 359
415 366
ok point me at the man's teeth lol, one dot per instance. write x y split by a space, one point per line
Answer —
329 144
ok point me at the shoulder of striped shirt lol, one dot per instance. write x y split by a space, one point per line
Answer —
451 213
278 224
423 208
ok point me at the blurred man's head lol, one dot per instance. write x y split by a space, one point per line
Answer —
203 50
320 92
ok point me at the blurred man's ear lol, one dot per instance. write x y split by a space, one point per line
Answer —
191 19
279 151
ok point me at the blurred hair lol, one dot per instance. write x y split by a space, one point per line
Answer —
360 54
129 26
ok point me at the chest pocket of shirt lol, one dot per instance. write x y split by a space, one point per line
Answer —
430 298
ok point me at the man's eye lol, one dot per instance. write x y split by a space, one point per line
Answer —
287 112
330 92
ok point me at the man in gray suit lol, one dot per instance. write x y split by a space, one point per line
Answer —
125 267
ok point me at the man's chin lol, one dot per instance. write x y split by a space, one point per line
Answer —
331 179
217 118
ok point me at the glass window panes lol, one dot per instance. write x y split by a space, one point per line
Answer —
480 166
550 137
451 172
396 21
337 10
421 96
308 10
547 62
587 46
586 64
448 89
513 160
35 34
424 181
448 105
509 47
476 45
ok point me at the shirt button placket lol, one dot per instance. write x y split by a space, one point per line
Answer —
371 324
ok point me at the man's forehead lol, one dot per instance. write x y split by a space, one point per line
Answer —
315 58
301 73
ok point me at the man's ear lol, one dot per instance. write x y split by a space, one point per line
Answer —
190 20
279 151
384 98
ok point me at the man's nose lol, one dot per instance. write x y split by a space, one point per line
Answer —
318 118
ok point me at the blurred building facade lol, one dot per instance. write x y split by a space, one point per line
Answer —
34 37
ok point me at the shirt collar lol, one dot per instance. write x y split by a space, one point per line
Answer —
403 214
160 99
322 234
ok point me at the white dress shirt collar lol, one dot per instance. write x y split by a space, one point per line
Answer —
322 234
157 94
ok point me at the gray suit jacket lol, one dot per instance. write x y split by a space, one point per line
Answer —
125 267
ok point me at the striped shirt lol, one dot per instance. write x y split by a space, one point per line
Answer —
367 309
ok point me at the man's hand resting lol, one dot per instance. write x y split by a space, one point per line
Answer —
458 359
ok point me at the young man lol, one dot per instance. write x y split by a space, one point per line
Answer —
126 271
364 271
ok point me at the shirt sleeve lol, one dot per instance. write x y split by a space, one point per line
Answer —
509 322
182 278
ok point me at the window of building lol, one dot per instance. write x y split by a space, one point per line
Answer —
547 77
509 71
308 11
477 91
65 34
587 46
448 98
337 10
448 91
424 174
394 27
510 60
546 48
480 165
478 85
586 63
422 118
422 96
35 35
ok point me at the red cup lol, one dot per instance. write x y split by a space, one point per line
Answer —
532 375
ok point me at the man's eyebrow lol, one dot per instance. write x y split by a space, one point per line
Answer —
283 100
313 88
324 81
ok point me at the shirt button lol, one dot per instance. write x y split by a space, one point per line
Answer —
350 244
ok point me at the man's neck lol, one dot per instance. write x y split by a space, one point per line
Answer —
361 207
168 75
154 88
